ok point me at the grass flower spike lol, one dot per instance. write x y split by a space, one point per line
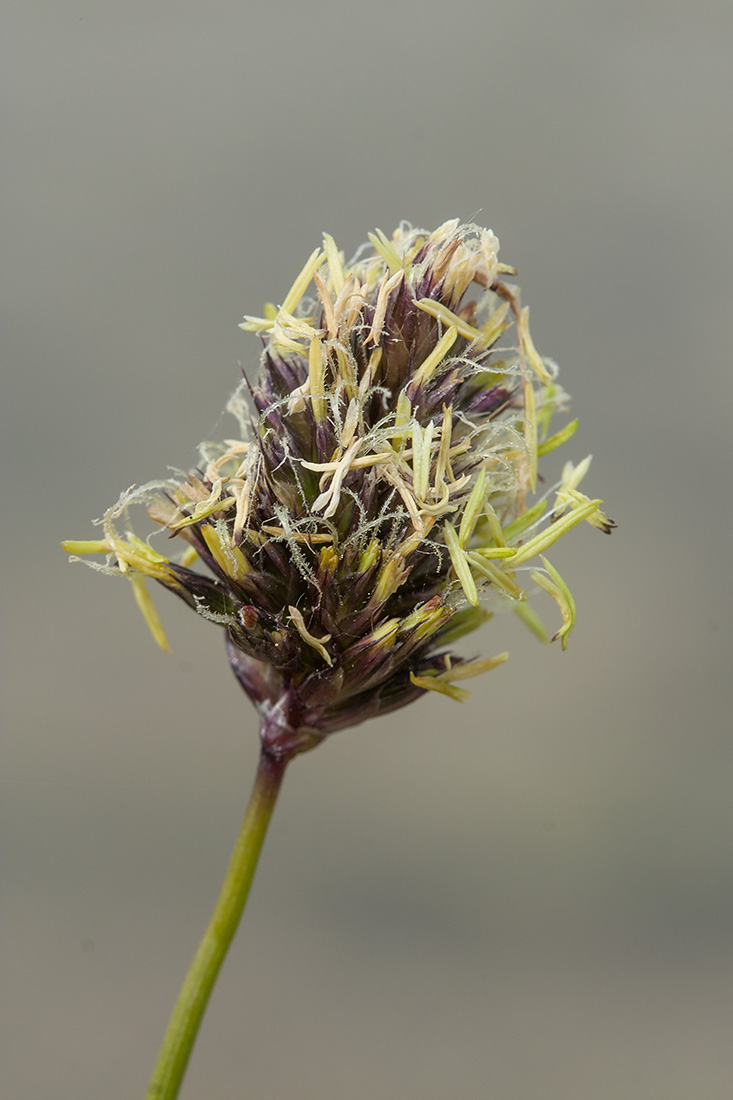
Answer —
377 498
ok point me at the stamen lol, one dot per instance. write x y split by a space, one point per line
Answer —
149 613
496 324
422 439
225 553
437 355
327 306
460 562
299 287
384 247
525 341
316 378
498 577
432 683
555 531
562 596
330 498
472 510
448 317
335 267
388 285
316 643
557 439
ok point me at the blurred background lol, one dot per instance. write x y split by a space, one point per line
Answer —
528 897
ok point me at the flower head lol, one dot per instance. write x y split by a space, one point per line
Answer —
377 492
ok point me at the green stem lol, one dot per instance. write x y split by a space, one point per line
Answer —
196 989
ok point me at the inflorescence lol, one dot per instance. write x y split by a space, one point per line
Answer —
376 495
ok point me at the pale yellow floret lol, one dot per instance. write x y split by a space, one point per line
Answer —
288 332
393 572
468 669
437 355
394 477
331 325
370 556
422 621
315 643
317 378
368 376
139 557
447 317
472 510
328 501
281 340
562 596
571 497
194 489
335 265
299 536
354 302
224 551
390 577
235 448
491 552
380 310
495 325
461 564
134 559
299 287
260 324
256 324
444 233
86 546
355 464
384 634
442 465
572 475
403 413
462 270
443 503
384 247
347 370
556 440
444 257
444 682
328 559
517 526
144 549
556 530
348 301
147 608
296 404
480 560
350 423
495 528
202 511
246 492
391 457
422 441
525 342
432 683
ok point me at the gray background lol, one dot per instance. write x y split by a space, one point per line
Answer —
526 898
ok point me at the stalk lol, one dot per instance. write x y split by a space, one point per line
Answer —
199 982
